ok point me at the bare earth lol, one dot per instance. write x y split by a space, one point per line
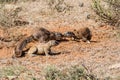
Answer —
101 56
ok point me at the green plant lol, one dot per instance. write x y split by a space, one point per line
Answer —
72 73
111 14
11 71
52 73
16 72
78 73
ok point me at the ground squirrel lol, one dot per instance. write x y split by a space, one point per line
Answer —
83 33
18 50
41 35
56 36
69 34
42 48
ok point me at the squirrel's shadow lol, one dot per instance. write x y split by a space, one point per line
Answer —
63 40
51 54
94 41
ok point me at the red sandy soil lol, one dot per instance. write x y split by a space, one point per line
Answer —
99 56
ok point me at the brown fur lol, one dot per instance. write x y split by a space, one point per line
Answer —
42 48
83 33
41 35
56 36
70 35
19 47
18 51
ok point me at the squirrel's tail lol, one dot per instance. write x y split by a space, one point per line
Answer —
18 51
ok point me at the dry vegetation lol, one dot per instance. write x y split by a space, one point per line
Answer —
98 60
109 11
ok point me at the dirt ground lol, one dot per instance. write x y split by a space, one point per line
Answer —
101 56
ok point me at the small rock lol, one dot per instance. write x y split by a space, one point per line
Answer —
81 4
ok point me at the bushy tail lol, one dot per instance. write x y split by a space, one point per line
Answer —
18 51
